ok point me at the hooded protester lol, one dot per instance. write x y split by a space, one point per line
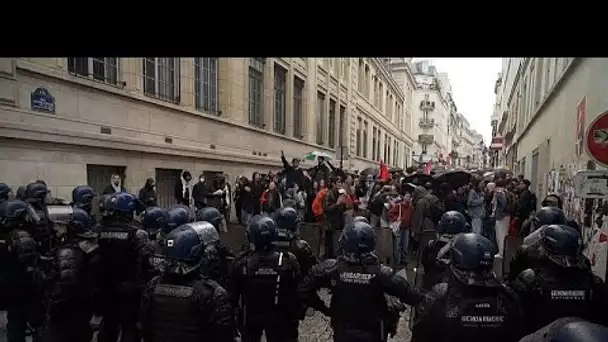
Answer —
183 189
147 194
199 192
422 219
115 185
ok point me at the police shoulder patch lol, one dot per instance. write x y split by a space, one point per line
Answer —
170 243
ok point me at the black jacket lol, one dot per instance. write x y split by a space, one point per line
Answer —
292 176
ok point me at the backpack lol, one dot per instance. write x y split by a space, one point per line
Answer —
319 202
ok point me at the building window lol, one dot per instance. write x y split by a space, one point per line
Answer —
361 80
378 145
387 104
332 124
280 79
298 90
358 137
102 69
331 63
365 128
256 91
343 67
385 159
389 155
162 78
396 153
376 93
374 142
205 84
366 83
341 125
380 100
320 116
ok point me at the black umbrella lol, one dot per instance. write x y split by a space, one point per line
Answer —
455 179
418 179
374 171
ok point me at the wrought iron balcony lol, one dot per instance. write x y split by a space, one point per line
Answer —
427 123
427 105
426 139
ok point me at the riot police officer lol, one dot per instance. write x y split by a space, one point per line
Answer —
569 329
180 304
358 283
451 224
43 230
5 192
125 251
153 219
73 282
527 254
287 221
82 197
543 216
472 305
213 216
20 282
263 285
176 216
560 283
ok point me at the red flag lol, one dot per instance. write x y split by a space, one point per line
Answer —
427 168
384 174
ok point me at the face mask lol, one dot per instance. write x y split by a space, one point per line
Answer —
202 180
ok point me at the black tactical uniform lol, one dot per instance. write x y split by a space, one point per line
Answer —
287 221
569 329
43 230
358 284
21 284
181 305
561 283
5 192
125 251
472 305
435 270
527 254
263 285
73 282
220 258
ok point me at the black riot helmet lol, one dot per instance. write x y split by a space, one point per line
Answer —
211 215
360 219
182 250
153 219
120 203
20 194
287 218
548 215
471 259
207 233
357 238
562 245
5 192
15 214
569 329
176 216
262 232
82 196
81 224
452 222
36 192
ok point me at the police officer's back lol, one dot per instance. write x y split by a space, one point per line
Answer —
5 192
82 197
451 224
20 288
263 285
125 251
221 255
358 284
74 282
287 220
561 283
569 329
472 305
528 253
43 230
180 304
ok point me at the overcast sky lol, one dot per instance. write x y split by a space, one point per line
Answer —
472 81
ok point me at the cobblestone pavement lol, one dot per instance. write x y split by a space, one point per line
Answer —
317 329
